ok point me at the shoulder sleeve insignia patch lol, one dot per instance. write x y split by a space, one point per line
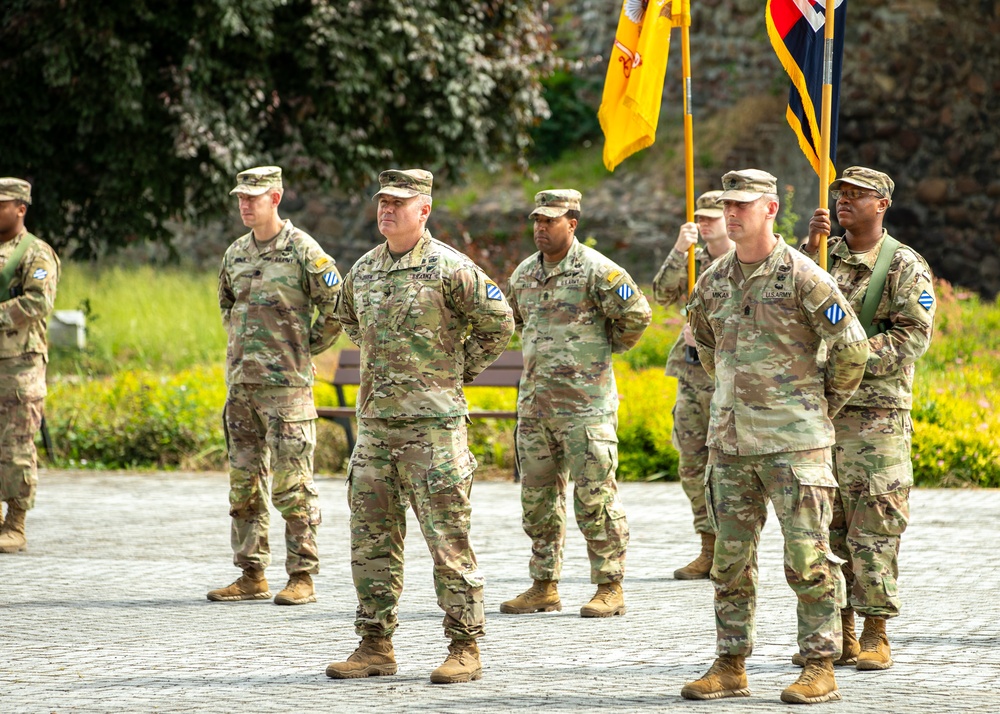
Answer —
625 291
42 273
493 291
834 313
926 300
331 278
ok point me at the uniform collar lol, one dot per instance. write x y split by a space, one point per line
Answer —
276 244
734 272
569 263
383 258
867 259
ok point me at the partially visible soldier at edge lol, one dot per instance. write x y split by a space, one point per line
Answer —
760 316
29 273
428 320
574 308
271 281
871 458
694 386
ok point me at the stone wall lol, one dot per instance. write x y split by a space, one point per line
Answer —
920 100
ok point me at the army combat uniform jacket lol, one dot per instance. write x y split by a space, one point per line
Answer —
906 310
426 324
267 294
751 337
669 288
572 320
24 316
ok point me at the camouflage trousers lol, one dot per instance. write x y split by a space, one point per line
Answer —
19 422
424 463
871 460
271 431
801 487
549 452
691 413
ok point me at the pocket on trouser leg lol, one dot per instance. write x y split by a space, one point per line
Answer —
839 582
461 598
813 505
710 500
887 507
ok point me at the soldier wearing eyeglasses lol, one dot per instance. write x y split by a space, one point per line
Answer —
871 458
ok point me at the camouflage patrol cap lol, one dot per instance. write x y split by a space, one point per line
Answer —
708 206
747 185
15 189
866 178
405 183
555 202
258 181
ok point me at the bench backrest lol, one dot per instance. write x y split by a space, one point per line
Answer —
505 372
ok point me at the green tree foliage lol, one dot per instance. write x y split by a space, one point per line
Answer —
128 114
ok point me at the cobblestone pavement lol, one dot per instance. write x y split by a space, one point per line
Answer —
106 612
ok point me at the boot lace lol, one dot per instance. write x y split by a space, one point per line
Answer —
870 641
813 670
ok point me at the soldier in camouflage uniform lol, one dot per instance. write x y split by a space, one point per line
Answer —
271 282
872 456
427 320
760 316
574 308
694 387
29 272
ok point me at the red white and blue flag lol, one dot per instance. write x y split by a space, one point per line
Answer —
796 28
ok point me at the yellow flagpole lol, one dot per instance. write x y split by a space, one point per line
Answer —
824 158
688 145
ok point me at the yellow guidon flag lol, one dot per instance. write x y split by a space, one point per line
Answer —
633 88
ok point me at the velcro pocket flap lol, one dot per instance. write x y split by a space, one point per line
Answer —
891 478
814 475
299 412
602 432
451 472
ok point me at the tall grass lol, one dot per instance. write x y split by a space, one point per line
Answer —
161 319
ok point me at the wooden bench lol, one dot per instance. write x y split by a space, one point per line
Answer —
505 372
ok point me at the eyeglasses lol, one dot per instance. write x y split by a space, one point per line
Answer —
852 194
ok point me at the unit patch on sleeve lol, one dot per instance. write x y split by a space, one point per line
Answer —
331 278
625 291
834 313
926 300
493 292
41 274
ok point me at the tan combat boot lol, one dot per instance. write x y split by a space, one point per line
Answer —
875 652
298 591
727 677
374 657
816 684
12 537
543 596
461 665
700 567
851 646
252 585
607 601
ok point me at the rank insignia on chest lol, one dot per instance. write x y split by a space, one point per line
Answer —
926 300
331 278
625 291
493 292
834 313
41 273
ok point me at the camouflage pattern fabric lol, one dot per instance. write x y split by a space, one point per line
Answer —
272 430
549 453
872 464
670 288
694 389
572 320
24 353
906 309
690 434
410 318
872 455
425 463
268 293
761 338
24 313
801 487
